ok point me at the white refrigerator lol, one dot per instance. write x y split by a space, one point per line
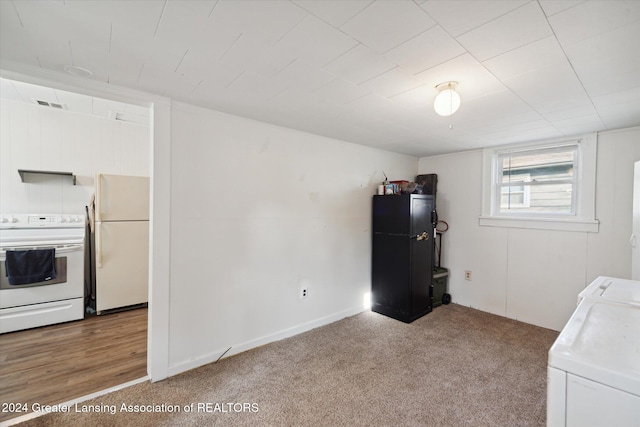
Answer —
121 227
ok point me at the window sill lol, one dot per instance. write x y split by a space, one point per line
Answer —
580 225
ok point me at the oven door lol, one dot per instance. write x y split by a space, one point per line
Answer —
68 283
45 303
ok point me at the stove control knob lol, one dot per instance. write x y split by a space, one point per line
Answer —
63 219
14 219
4 219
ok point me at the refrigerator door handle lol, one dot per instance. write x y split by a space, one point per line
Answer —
423 236
98 196
99 244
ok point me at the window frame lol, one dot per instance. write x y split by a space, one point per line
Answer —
583 193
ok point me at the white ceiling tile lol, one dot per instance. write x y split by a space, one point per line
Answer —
359 64
300 75
553 7
495 110
461 16
391 83
517 28
315 42
577 125
431 48
251 86
120 73
335 13
527 132
76 36
386 24
341 91
142 15
15 41
608 62
270 20
194 15
619 110
131 46
541 53
591 18
251 53
560 88
378 108
315 103
586 110
198 65
418 98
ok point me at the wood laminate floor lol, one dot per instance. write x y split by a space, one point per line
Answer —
57 363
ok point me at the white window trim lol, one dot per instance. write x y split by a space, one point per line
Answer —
583 220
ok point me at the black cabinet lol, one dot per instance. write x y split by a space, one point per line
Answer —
402 256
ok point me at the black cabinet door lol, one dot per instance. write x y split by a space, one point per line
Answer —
421 256
390 284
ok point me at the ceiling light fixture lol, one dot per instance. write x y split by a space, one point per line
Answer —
77 71
448 101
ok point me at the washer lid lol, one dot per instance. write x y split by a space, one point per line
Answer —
613 289
601 342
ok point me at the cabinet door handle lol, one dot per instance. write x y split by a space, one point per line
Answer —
632 240
423 236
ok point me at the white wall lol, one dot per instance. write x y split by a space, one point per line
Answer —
257 211
534 275
41 138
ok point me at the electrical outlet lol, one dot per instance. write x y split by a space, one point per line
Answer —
304 292
467 275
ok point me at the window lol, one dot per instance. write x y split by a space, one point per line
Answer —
516 195
546 185
537 181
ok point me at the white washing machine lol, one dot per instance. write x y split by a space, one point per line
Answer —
612 289
593 375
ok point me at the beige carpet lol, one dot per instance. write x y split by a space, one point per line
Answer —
454 367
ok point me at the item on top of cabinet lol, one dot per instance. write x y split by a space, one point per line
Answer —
429 183
408 187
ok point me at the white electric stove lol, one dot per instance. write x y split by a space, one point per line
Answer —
58 300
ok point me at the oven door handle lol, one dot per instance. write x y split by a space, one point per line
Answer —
59 249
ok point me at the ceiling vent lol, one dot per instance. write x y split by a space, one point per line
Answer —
129 117
49 104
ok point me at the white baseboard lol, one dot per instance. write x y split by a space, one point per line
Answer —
242 347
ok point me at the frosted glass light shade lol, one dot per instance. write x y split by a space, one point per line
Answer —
447 102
